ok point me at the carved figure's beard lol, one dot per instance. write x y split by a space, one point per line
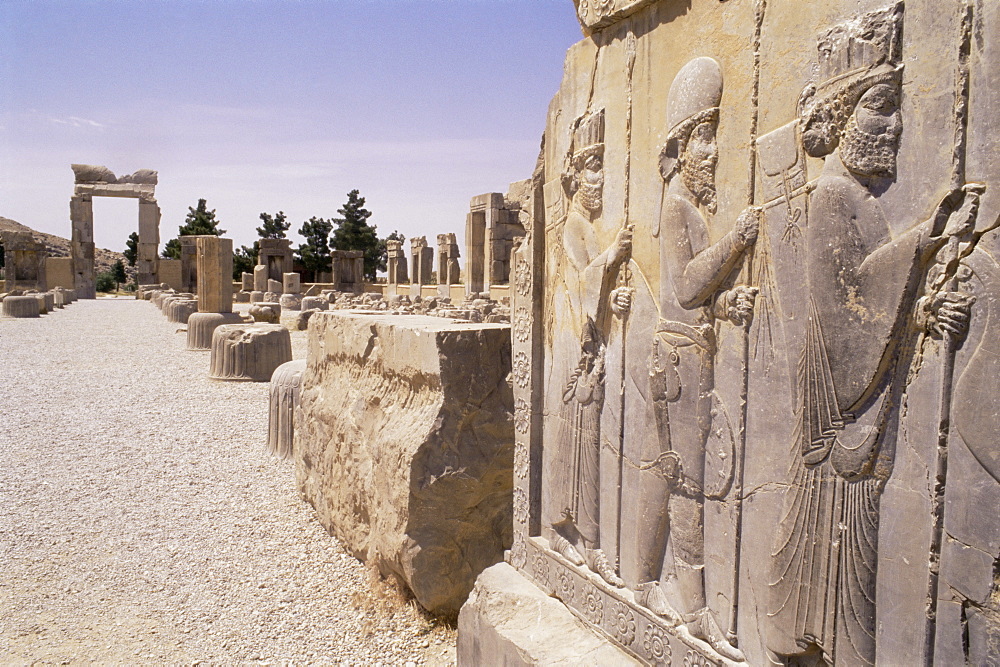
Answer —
699 178
591 196
868 154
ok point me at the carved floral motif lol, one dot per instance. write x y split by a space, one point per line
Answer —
656 645
624 628
521 415
520 459
520 505
522 277
594 606
522 324
518 551
521 368
540 568
695 659
566 588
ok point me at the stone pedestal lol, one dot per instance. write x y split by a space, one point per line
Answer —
180 310
260 278
291 283
201 326
274 286
215 274
285 384
21 306
242 297
266 312
249 352
315 303
404 444
256 296
291 301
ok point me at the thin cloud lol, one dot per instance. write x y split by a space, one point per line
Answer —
76 121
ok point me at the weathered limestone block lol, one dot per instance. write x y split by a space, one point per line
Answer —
257 296
260 278
272 297
404 446
247 281
21 306
508 621
57 301
300 321
291 301
49 299
180 310
249 352
266 312
315 303
285 384
274 286
242 297
291 283
201 326
215 274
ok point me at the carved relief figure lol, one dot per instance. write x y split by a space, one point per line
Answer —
863 289
590 275
693 296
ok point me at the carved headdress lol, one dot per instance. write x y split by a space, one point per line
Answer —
587 140
853 57
693 99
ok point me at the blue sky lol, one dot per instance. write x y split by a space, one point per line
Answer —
261 105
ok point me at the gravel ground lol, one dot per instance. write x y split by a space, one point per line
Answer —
142 520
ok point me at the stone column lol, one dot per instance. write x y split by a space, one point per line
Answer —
215 274
189 263
147 258
81 211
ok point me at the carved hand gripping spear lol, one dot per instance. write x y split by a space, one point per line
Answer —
948 281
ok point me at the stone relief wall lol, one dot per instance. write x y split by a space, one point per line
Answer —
754 364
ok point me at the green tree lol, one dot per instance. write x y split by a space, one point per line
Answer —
354 233
244 259
132 248
315 252
273 227
198 221
104 281
118 273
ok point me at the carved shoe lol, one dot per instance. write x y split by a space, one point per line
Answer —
564 548
705 627
599 564
651 596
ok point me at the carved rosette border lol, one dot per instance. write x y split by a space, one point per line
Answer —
613 611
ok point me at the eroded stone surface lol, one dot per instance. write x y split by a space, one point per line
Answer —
20 306
404 445
286 382
249 352
201 327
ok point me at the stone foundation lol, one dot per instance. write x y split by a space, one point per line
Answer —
201 326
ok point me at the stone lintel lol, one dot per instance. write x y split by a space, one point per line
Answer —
134 190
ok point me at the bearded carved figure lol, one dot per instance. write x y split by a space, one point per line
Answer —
863 297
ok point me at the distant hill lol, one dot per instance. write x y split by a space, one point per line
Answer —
57 246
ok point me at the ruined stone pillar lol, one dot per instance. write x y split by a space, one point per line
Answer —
81 210
215 271
147 258
189 263
396 264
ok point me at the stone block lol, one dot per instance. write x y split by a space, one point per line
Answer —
201 326
284 398
59 271
508 621
315 303
180 310
267 312
215 274
300 320
149 223
249 352
404 446
274 286
291 301
257 296
21 306
260 278
247 281
242 297
272 297
291 283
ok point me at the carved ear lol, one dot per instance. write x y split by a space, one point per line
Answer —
669 157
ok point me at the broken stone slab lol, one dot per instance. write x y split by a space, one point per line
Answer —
249 352
246 284
274 286
291 301
300 320
266 312
272 297
509 621
260 278
404 445
49 299
284 398
242 297
21 306
257 296
314 303
201 326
